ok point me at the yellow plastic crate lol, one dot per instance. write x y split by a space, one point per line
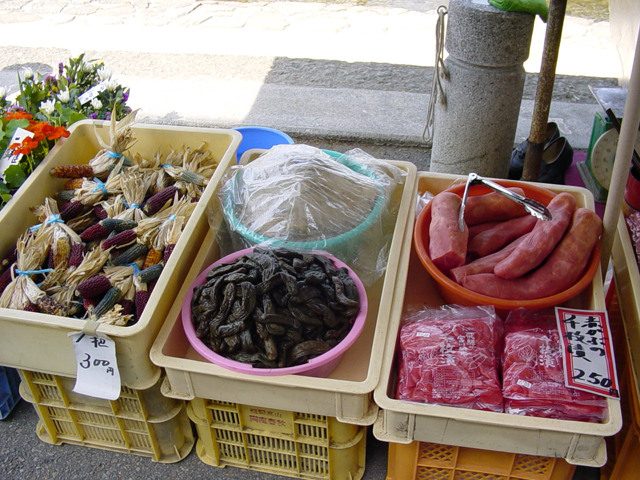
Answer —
432 461
141 422
38 341
277 441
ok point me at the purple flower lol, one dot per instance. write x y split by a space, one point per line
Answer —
125 97
60 68
50 80
108 116
93 116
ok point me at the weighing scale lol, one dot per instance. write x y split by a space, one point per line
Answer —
596 170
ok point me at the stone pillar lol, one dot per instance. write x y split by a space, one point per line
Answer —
475 129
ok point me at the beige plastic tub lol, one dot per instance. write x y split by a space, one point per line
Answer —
39 342
625 267
346 394
579 443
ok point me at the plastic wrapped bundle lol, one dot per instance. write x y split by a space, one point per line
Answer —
300 197
533 372
450 356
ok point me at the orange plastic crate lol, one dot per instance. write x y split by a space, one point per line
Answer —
432 461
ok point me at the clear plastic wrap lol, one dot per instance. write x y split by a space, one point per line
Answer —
451 356
303 198
533 372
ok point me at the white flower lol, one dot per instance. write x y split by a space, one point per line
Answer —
3 93
104 74
64 96
48 107
112 85
96 104
85 67
28 73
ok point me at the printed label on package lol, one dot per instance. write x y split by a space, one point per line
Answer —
7 159
97 369
587 351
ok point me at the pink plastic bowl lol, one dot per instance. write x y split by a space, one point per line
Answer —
320 366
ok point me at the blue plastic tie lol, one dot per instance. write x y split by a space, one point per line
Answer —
112 154
165 165
100 186
136 268
51 219
33 272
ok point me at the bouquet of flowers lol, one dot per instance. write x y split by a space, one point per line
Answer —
45 107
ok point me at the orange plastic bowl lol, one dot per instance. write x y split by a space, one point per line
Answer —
453 293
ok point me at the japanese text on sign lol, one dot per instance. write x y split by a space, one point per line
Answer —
97 369
589 363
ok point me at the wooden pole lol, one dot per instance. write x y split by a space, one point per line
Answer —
624 152
544 91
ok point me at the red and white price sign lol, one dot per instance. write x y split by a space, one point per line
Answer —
589 363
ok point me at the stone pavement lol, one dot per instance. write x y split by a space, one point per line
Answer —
356 71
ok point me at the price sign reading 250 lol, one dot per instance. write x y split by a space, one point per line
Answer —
589 363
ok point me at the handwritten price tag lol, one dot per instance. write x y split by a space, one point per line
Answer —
92 93
7 159
589 363
97 369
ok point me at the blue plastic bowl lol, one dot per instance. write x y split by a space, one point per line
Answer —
260 137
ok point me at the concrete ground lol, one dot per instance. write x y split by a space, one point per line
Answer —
337 75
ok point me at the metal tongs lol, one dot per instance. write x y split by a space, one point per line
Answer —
535 208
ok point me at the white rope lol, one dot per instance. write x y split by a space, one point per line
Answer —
437 92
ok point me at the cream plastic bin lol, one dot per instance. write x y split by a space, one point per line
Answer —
579 443
347 393
627 277
36 341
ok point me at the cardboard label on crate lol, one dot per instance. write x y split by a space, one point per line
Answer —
269 419
97 369
7 159
589 362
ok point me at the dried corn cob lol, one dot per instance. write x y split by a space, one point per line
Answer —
31 308
66 195
5 279
93 287
141 299
159 200
130 254
128 306
76 255
107 303
192 177
72 171
121 239
90 303
168 250
149 274
73 183
46 304
118 225
60 251
100 212
94 232
153 257
70 210
10 257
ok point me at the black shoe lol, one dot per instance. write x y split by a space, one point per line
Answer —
556 159
517 156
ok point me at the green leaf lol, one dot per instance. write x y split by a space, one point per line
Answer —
14 176
4 189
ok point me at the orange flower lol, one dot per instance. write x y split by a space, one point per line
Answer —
25 148
17 115
58 132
